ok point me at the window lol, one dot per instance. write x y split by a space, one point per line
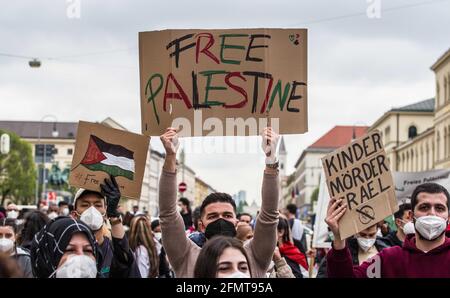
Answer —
412 132
387 134
69 151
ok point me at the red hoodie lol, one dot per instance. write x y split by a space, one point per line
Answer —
396 261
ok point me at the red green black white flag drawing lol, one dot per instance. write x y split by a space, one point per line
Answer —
115 160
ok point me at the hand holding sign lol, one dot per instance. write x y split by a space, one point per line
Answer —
170 141
336 209
269 145
110 190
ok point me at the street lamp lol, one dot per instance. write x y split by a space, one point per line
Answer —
55 134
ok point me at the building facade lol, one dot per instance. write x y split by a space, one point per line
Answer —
417 136
306 177
202 190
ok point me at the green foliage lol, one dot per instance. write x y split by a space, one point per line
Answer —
17 172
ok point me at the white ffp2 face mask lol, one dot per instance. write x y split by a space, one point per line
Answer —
430 227
77 266
93 218
237 274
365 243
6 245
12 214
408 228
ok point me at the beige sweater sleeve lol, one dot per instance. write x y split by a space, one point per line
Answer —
264 240
174 239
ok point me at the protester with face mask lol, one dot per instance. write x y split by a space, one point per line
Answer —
405 226
8 246
12 211
164 266
223 257
63 208
94 208
65 248
34 221
424 254
218 213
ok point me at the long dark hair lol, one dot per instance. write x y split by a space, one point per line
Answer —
141 234
206 265
34 221
283 225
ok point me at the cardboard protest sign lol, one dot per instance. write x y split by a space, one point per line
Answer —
359 173
101 151
223 82
406 182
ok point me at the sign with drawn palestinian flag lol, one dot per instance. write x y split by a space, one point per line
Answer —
101 151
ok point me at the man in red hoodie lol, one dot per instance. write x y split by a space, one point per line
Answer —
424 254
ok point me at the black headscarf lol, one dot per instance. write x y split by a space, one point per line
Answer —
50 243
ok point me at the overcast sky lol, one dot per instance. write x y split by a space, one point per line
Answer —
358 68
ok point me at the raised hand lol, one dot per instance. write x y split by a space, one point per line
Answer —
336 209
269 144
170 141
110 190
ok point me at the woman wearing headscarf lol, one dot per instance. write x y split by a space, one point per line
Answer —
65 248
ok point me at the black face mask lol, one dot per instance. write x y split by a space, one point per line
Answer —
220 227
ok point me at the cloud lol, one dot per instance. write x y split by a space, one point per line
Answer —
358 67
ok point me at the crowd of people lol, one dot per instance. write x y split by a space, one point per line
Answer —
93 238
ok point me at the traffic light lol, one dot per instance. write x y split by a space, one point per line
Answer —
50 151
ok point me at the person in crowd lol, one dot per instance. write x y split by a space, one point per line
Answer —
244 231
403 222
2 212
218 213
244 217
164 267
93 208
423 254
184 207
383 228
293 256
143 245
34 221
223 257
135 210
8 246
63 208
53 210
297 228
12 211
65 248
362 246
279 268
196 235
9 267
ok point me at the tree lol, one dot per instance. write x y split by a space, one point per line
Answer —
315 196
17 172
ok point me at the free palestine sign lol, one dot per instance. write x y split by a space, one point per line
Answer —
223 82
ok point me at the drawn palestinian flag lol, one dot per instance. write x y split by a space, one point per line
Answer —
113 159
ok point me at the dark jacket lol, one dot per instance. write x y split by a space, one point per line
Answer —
117 259
187 219
23 259
407 261
391 239
353 247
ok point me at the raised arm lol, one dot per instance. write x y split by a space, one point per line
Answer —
265 237
174 238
